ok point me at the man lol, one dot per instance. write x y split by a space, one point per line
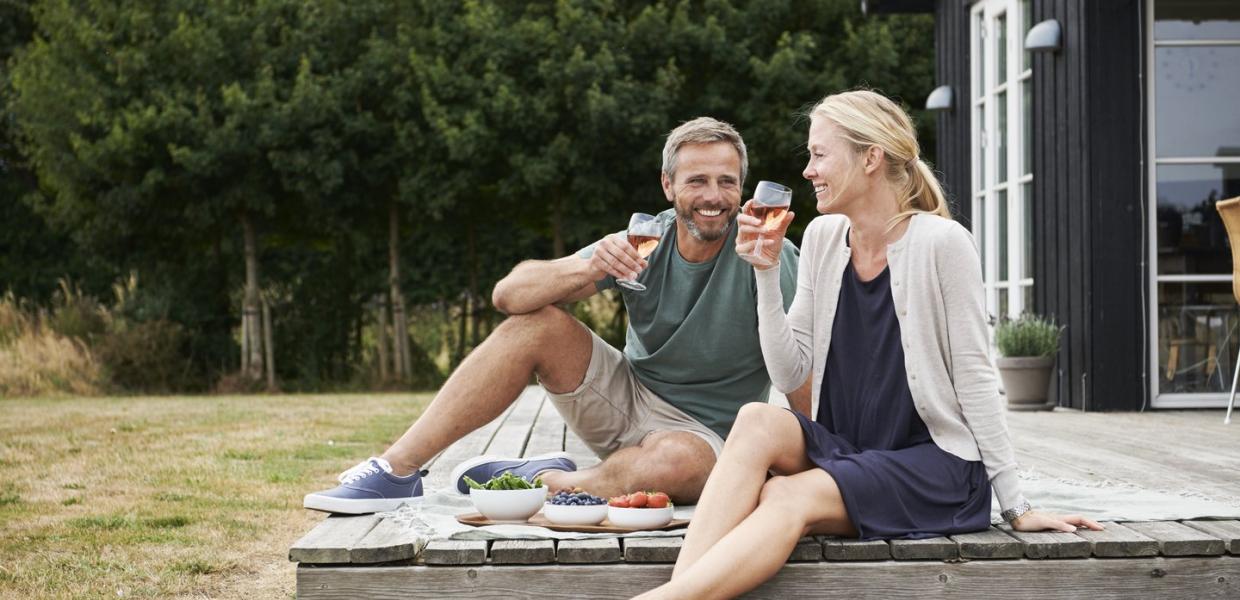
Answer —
656 413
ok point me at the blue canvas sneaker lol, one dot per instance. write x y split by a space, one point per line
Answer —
366 488
483 468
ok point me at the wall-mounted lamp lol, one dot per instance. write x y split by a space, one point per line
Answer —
1044 37
940 98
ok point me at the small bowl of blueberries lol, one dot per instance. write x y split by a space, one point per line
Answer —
575 508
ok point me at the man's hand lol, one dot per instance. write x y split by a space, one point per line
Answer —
615 256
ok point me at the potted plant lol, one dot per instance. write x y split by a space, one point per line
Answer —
1027 348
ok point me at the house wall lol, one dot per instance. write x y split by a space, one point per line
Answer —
1088 190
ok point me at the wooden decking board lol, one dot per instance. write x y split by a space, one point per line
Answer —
455 552
647 550
989 544
513 433
1050 544
1179 540
547 434
578 449
387 541
522 552
605 550
844 549
939 548
1118 541
1228 531
807 549
331 539
1096 579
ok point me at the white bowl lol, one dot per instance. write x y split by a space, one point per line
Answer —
508 505
639 518
581 514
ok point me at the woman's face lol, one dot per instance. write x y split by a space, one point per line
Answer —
834 168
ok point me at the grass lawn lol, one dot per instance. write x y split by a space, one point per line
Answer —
173 496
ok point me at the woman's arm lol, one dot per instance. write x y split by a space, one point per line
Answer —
787 340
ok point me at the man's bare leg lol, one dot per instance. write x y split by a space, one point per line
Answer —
548 341
676 462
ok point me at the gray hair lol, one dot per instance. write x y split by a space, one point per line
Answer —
702 130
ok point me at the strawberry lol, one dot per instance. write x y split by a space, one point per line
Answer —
638 499
619 502
657 500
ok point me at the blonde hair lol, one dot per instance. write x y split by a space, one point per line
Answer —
702 130
866 119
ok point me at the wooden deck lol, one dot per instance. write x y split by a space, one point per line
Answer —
350 557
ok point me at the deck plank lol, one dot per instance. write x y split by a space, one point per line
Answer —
648 550
578 449
548 431
1050 544
1096 579
807 549
992 543
939 548
455 552
1175 539
1228 531
522 552
513 433
1117 541
388 541
834 548
331 539
603 550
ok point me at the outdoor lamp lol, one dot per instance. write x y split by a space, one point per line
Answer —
940 98
1044 37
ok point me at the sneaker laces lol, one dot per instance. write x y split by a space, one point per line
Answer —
363 469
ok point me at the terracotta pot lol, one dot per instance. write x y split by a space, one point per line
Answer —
1026 380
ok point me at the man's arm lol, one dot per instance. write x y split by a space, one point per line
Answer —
802 399
534 284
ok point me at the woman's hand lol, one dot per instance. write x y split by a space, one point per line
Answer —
1038 521
772 238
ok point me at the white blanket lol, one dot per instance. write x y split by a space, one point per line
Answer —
435 519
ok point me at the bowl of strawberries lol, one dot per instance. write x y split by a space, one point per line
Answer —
640 510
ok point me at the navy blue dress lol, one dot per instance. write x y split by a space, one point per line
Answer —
895 481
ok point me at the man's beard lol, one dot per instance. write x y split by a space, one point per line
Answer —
685 213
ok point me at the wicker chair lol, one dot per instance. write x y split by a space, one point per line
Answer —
1229 210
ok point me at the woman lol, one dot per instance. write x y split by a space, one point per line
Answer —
909 437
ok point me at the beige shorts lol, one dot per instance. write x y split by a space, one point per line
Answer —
611 409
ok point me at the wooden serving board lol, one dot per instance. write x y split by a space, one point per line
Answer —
540 520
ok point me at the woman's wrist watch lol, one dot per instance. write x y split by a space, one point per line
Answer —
1015 512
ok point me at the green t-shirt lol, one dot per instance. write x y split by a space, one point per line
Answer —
693 334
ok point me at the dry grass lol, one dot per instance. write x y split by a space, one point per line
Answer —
160 497
36 360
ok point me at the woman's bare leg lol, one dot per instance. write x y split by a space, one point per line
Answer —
789 508
765 437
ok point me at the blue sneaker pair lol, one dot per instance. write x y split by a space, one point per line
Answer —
371 487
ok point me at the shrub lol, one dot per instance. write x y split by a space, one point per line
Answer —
35 360
143 356
1029 335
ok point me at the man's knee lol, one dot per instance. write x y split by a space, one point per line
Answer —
546 321
675 456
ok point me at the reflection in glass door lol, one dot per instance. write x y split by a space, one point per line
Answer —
1193 85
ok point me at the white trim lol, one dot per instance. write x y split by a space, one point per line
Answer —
1220 278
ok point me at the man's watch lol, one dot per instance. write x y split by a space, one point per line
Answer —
1015 512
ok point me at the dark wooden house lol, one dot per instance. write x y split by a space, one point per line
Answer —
1085 143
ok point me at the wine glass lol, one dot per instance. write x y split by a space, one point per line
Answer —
644 233
770 201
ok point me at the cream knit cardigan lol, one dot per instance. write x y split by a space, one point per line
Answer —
936 285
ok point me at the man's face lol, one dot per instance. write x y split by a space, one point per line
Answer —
707 189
